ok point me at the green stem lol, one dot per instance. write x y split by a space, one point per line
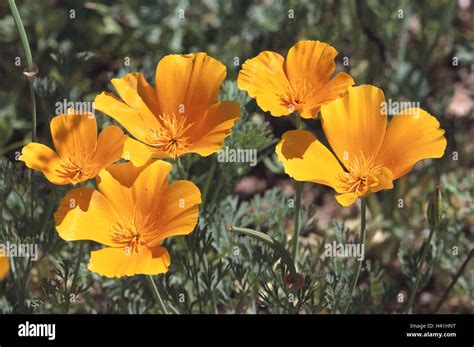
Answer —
174 309
195 276
31 68
78 264
297 121
26 279
272 243
33 109
156 293
296 228
21 30
207 184
356 275
455 279
179 167
29 60
418 274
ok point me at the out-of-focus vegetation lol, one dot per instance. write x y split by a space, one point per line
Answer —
419 51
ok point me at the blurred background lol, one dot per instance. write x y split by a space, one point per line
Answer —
416 51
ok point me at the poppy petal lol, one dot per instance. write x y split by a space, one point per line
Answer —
304 158
139 95
129 118
312 61
412 135
214 127
179 210
334 89
118 262
264 79
347 199
150 184
85 214
115 183
42 158
73 134
109 146
381 180
188 84
355 124
139 153
4 267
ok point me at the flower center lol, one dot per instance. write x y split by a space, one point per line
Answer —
298 94
77 169
362 175
171 137
134 232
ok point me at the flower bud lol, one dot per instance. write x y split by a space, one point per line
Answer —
434 213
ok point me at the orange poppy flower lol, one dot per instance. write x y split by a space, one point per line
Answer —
133 211
4 267
181 116
80 153
372 154
302 83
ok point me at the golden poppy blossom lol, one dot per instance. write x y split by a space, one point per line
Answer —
133 211
302 83
4 267
80 153
372 154
182 115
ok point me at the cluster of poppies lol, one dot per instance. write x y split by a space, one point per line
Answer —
134 209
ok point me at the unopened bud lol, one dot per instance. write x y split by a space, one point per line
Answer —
434 213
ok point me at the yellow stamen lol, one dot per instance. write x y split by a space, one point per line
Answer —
359 177
135 231
298 94
78 168
171 137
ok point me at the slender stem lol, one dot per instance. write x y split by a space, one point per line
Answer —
181 173
78 264
33 138
272 243
174 309
209 176
156 293
33 109
355 277
21 30
195 276
26 279
455 279
418 274
297 121
30 67
296 227
29 60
